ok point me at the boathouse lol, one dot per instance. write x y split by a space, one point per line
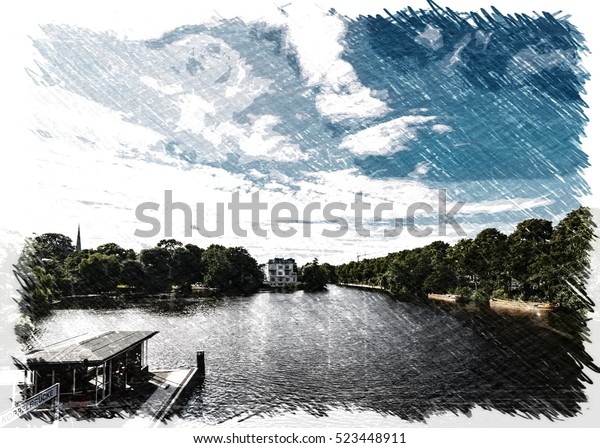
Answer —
89 368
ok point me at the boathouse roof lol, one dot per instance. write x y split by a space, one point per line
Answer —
101 348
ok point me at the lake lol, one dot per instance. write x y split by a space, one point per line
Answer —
272 354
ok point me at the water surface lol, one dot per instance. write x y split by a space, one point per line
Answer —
274 353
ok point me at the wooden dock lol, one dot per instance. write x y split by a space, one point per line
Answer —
171 387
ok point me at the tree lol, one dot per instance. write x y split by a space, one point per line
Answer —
187 267
117 251
50 251
133 275
567 265
217 268
231 270
36 286
313 277
527 246
329 273
246 276
53 246
71 270
461 258
157 266
99 273
171 245
441 279
490 260
398 275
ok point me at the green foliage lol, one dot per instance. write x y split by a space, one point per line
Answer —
217 273
500 294
24 329
37 287
157 269
50 269
187 267
53 246
98 273
133 275
535 263
246 275
117 251
565 271
441 279
480 296
529 246
170 245
231 270
465 292
313 276
329 273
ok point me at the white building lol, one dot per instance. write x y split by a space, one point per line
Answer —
281 272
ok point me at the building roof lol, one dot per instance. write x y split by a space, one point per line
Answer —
102 347
282 260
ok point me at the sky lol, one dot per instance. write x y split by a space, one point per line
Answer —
306 103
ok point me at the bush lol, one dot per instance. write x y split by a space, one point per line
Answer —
463 291
500 294
480 296
24 328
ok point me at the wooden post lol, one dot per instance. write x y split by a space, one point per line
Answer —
200 363
57 404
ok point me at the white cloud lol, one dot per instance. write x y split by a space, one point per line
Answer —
505 205
215 72
262 142
356 103
421 169
431 37
528 62
441 128
256 140
170 89
193 112
317 35
59 114
385 138
342 185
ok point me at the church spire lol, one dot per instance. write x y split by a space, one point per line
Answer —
78 244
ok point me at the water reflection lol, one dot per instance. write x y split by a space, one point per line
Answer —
273 353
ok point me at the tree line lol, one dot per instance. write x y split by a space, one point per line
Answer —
536 262
50 268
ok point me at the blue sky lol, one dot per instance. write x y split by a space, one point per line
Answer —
309 104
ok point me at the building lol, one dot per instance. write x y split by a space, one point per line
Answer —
87 367
78 243
281 272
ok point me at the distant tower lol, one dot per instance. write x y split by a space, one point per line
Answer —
78 244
